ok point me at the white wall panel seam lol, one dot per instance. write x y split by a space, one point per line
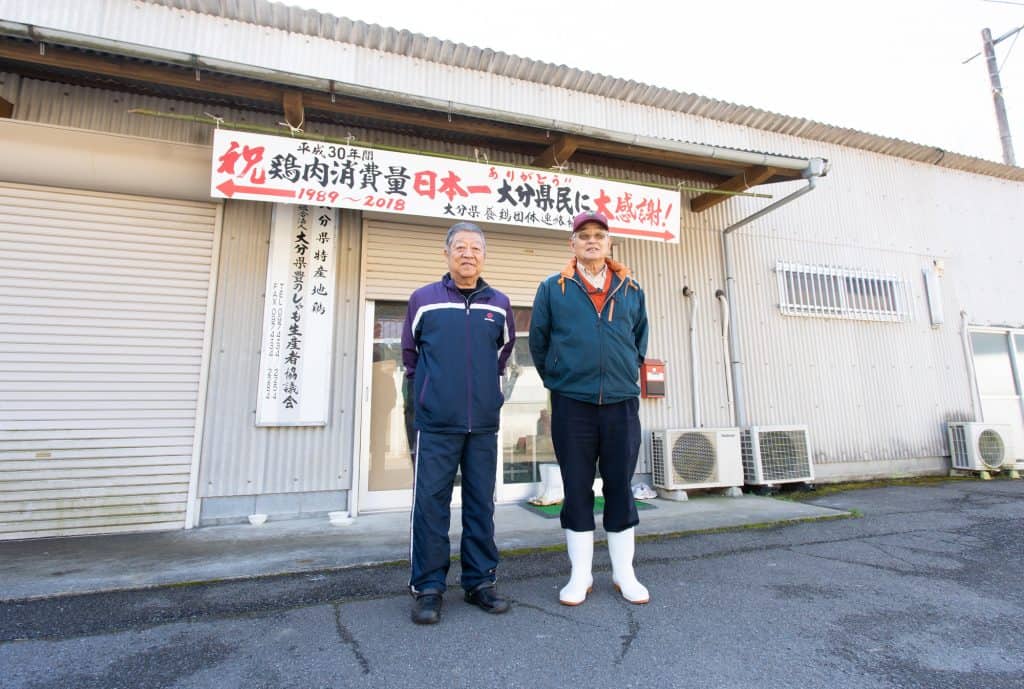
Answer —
192 500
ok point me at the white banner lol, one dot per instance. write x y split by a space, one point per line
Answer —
298 318
257 167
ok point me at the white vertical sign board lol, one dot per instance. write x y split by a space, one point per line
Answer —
298 318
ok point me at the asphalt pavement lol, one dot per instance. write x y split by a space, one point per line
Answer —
922 589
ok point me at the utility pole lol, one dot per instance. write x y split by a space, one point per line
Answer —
997 92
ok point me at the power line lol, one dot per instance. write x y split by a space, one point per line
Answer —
1009 50
1011 32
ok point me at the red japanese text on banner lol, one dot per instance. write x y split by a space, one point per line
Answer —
258 167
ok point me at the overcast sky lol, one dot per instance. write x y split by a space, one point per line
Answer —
890 67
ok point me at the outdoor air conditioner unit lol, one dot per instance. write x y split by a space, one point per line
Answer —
776 454
692 458
976 446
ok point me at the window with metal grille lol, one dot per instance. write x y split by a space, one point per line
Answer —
833 292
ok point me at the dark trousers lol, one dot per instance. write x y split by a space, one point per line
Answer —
591 436
438 457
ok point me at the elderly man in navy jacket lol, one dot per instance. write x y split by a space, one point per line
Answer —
588 338
458 334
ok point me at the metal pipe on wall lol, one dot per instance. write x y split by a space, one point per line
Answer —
817 168
694 375
778 204
972 377
735 361
723 303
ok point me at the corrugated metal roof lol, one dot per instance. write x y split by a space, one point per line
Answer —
103 81
406 43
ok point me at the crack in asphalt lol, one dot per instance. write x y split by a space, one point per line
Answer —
919 550
884 551
870 565
561 616
350 640
630 636
771 546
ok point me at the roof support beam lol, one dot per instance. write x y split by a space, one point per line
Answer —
750 177
294 113
265 94
64 59
6 108
582 160
558 152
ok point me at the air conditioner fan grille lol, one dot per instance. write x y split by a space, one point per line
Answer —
693 458
991 448
783 455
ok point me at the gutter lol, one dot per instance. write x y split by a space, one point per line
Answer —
816 167
694 372
329 86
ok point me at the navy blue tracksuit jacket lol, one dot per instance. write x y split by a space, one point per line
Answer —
454 349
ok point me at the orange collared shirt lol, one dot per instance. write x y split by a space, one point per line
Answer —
598 296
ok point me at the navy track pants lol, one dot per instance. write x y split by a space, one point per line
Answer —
438 457
591 436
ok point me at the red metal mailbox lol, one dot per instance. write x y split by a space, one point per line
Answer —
652 378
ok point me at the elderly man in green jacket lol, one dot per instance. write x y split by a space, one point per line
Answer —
588 338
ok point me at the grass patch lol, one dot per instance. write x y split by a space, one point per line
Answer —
553 511
641 538
851 514
798 493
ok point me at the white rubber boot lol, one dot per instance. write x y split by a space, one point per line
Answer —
580 545
620 548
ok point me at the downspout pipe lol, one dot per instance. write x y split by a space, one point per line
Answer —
694 373
972 377
778 204
817 168
723 304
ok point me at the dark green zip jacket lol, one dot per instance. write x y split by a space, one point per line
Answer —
580 353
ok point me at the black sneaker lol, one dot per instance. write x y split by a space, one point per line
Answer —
427 608
487 599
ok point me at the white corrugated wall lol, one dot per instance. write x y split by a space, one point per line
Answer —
870 392
9 86
238 458
872 212
401 257
663 271
103 312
